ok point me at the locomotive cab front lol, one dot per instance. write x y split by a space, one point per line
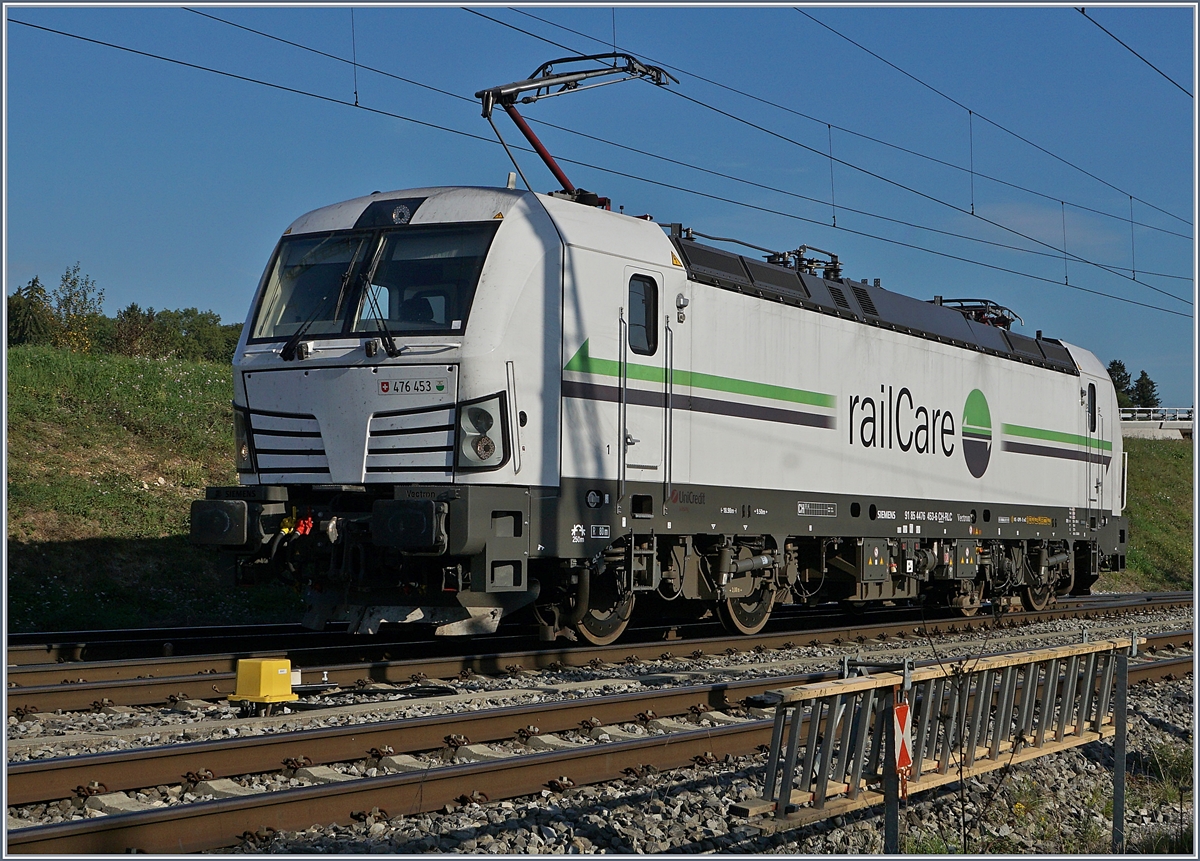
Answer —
385 403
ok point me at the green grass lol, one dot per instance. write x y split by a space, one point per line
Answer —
1159 508
1164 841
106 453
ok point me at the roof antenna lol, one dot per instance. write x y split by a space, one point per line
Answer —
545 83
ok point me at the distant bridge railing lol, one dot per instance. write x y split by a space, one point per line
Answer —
1157 414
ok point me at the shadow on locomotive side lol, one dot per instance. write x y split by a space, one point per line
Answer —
452 404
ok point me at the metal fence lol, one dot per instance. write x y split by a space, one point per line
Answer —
1157 414
834 744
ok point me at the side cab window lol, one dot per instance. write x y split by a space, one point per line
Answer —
643 311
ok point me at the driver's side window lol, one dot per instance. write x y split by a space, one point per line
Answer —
643 311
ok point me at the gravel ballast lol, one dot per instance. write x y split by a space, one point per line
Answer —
1048 805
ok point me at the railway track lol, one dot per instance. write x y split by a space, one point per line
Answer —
36 781
669 741
68 647
88 685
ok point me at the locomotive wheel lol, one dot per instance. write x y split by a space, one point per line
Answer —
1036 597
747 615
602 626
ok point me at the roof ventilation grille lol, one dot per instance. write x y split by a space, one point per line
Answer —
839 298
864 300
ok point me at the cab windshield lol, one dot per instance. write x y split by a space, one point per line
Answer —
405 280
308 286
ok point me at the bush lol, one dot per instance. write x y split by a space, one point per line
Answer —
78 305
71 317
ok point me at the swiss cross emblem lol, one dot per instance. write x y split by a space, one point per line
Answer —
383 386
901 715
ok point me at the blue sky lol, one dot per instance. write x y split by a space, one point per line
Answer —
170 185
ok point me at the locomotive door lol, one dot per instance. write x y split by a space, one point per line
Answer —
1094 466
644 345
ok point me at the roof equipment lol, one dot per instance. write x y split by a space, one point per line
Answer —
546 82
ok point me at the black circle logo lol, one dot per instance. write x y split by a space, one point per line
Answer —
977 433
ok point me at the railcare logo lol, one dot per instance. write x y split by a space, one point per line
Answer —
977 433
900 419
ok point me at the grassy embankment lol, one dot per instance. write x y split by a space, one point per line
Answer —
1159 508
106 453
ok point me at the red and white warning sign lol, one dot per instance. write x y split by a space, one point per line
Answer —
901 715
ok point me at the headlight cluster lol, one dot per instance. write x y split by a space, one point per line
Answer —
481 435
243 453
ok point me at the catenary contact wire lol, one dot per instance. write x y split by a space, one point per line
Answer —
426 124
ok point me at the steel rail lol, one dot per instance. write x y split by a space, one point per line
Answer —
27 651
66 646
60 777
220 823
214 824
53 779
134 683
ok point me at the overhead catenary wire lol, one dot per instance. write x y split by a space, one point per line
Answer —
249 80
816 200
1066 278
971 136
832 195
1083 11
859 168
790 110
669 160
921 194
1132 241
489 141
897 242
992 122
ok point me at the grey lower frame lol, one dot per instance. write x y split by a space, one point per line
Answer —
707 509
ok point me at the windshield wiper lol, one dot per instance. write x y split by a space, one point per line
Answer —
289 347
389 345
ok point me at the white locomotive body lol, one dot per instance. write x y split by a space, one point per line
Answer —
453 403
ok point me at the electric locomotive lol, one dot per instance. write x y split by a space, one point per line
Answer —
456 404
452 403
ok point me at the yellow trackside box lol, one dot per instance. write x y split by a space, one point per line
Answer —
264 680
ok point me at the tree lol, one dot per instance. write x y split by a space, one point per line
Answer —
1145 392
198 335
77 305
30 318
1122 382
134 335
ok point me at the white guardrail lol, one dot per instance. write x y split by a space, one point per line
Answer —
1157 422
1157 414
